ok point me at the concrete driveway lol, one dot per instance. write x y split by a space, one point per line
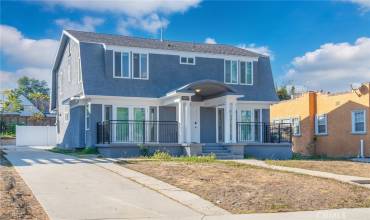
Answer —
71 188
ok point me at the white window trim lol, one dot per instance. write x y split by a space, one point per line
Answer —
246 81
187 60
69 70
87 109
299 125
147 65
79 80
114 65
317 125
237 72
353 122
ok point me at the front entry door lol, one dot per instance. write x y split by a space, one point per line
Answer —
195 122
220 125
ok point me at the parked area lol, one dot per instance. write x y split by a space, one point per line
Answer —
336 166
249 189
16 199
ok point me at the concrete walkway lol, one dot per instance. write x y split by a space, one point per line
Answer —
74 188
342 178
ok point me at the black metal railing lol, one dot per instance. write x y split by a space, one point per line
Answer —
131 131
264 132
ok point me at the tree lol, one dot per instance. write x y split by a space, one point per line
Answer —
27 86
282 93
35 90
13 103
292 90
40 100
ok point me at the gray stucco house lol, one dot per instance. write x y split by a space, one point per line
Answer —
118 93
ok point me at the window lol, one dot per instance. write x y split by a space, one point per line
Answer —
66 116
321 124
79 71
296 126
358 121
246 76
231 71
121 64
140 66
69 70
60 79
187 60
87 116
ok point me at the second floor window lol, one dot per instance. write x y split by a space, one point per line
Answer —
121 64
231 71
246 75
321 124
358 121
187 60
140 66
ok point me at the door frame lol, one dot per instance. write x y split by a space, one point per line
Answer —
217 127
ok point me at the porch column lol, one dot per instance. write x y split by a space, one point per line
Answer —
180 111
233 120
188 124
227 122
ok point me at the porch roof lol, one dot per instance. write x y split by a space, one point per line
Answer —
206 89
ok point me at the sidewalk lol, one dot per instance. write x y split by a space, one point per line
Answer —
338 177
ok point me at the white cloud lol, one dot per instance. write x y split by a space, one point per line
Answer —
332 67
151 23
364 4
144 15
25 51
209 40
265 50
32 58
132 8
87 23
9 79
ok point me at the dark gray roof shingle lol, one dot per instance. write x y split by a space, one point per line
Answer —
120 40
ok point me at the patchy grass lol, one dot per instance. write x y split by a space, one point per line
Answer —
164 156
331 166
16 199
240 188
87 151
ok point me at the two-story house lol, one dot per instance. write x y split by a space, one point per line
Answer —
118 92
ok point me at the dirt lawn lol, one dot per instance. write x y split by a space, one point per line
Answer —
16 199
338 167
246 189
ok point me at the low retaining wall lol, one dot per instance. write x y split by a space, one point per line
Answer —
281 151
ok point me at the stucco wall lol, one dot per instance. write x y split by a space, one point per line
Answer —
299 107
340 141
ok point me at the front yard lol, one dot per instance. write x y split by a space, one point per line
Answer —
337 167
241 188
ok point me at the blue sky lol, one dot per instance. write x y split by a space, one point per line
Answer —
316 44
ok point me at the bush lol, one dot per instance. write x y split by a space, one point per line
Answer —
160 155
197 159
89 150
144 151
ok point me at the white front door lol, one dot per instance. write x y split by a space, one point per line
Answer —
195 122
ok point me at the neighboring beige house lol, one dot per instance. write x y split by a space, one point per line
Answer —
334 125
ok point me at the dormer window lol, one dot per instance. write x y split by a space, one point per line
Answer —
121 64
187 60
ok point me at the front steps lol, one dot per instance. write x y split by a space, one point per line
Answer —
220 151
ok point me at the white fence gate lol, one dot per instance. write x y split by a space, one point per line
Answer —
36 135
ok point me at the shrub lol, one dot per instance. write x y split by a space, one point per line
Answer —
144 151
197 159
160 155
89 150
